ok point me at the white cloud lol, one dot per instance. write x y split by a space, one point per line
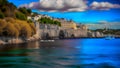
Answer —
69 5
103 5
58 5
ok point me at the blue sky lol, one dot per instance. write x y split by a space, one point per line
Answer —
87 16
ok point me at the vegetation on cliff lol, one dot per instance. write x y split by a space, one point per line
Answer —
13 21
15 28
45 20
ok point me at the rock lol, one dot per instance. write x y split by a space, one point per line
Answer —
15 41
2 42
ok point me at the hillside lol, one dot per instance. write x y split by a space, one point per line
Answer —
10 10
13 21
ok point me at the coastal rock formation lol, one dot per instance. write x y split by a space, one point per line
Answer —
72 33
9 40
54 31
2 42
47 31
14 41
95 34
98 34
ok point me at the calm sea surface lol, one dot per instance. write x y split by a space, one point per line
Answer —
73 53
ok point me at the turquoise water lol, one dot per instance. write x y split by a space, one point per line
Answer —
73 53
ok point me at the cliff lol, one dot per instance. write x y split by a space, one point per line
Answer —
53 31
14 26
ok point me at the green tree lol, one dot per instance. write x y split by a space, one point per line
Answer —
29 21
3 2
29 11
1 15
45 20
20 16
3 9
23 10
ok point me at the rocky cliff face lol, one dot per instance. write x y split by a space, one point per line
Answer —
48 31
95 34
55 31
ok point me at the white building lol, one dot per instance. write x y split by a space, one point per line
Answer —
36 18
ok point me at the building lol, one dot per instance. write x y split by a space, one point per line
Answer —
36 18
84 27
68 24
81 26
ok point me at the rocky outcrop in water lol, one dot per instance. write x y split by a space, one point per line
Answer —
10 40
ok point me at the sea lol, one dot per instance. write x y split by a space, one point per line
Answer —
65 53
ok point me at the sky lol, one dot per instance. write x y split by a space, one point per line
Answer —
80 11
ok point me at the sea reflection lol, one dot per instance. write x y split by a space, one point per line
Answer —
33 45
77 53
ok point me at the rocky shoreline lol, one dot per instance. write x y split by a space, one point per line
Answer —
51 32
20 41
9 40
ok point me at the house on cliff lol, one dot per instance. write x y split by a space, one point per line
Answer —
68 24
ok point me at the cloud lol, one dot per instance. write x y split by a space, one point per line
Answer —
58 5
69 5
103 5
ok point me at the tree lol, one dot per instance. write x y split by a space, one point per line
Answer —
11 30
3 9
23 10
46 20
59 24
29 11
2 25
1 15
20 16
3 2
29 21
26 31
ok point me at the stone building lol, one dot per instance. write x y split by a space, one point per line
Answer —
68 24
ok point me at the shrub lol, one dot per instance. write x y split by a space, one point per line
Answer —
2 23
9 19
29 21
33 28
11 30
26 30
